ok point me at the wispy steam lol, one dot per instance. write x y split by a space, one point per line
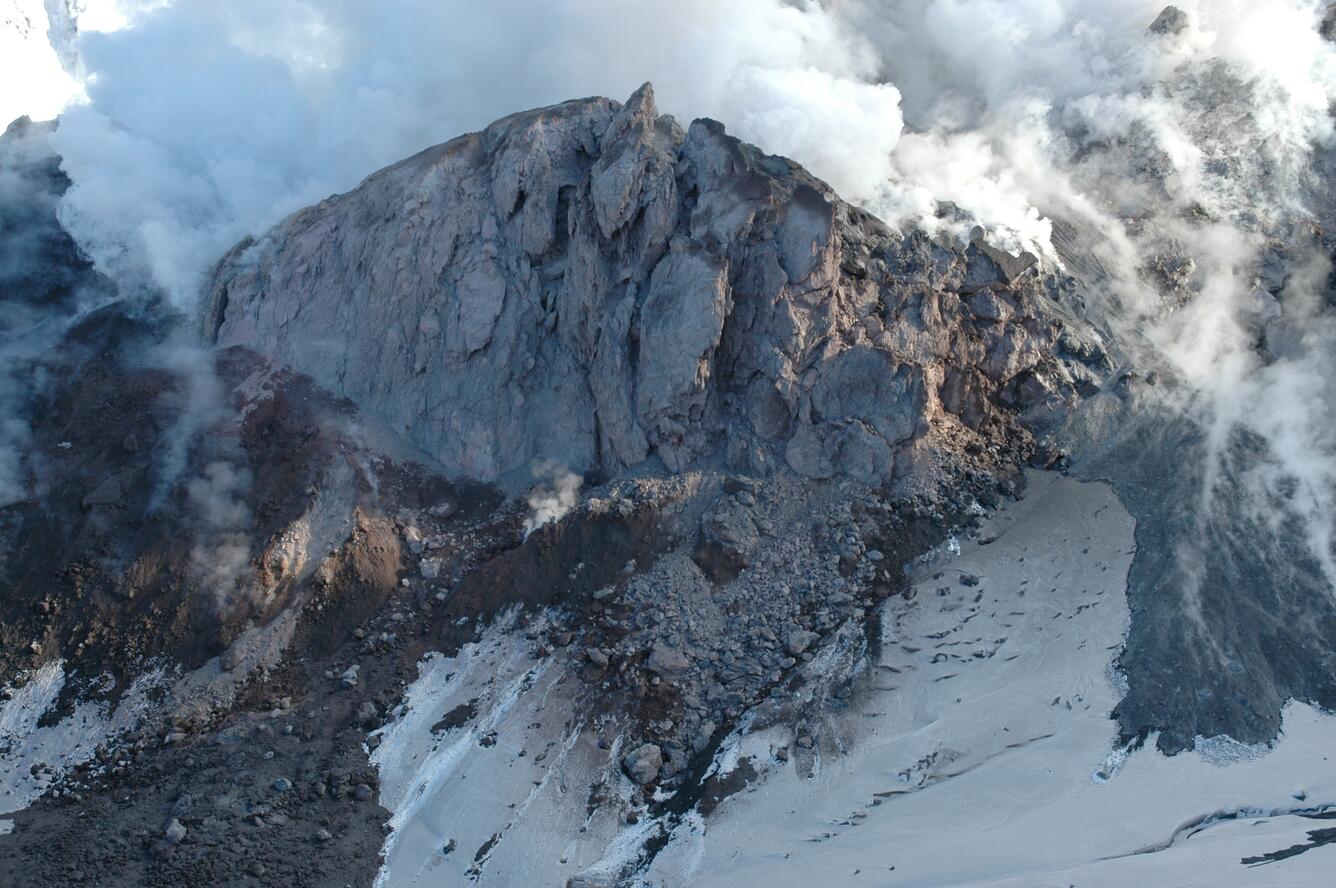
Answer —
222 549
557 492
199 403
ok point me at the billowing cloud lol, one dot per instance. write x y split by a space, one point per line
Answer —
205 121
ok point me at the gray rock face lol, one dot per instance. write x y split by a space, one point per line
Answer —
592 284
728 537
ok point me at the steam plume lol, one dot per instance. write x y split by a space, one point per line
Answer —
557 492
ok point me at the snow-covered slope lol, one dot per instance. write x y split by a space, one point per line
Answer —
977 749
983 751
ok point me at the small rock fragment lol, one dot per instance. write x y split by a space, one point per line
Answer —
230 659
666 661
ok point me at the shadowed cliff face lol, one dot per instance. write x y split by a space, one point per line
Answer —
44 280
592 284
40 265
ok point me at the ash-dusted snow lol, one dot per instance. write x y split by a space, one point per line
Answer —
979 750
33 755
486 775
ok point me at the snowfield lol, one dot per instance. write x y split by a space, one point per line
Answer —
979 750
985 751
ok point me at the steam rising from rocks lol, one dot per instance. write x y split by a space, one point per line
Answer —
222 548
43 286
557 492
271 106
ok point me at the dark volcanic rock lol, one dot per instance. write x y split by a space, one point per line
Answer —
1229 619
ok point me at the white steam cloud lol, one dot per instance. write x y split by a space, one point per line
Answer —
205 122
208 121
557 492
221 553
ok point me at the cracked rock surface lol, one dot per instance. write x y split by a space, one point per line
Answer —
592 284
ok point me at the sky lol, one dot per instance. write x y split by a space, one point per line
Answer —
34 81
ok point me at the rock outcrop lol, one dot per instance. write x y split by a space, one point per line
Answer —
589 283
1171 20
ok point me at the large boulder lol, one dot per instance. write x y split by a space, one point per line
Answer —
642 763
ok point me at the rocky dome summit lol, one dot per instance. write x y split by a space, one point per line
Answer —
916 469
592 284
